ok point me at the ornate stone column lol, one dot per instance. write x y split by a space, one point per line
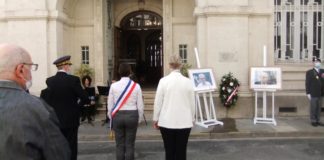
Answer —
100 60
201 30
167 33
25 23
223 37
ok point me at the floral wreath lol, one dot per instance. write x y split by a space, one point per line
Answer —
228 90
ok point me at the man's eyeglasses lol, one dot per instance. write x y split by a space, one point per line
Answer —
33 66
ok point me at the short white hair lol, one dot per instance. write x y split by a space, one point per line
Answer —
10 56
175 61
201 75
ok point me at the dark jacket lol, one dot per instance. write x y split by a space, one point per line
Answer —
62 93
28 127
314 83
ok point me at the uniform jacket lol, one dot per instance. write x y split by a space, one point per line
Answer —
63 92
314 83
28 127
174 105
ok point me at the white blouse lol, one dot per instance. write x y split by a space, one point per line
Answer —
134 102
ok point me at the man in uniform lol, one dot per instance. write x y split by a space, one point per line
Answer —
314 90
63 92
29 128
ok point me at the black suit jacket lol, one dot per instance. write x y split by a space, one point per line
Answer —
63 92
314 83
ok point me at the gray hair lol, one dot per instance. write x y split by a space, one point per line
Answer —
10 56
175 61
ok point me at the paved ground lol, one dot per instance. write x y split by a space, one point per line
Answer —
233 128
226 149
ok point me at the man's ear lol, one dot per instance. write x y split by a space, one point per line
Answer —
19 71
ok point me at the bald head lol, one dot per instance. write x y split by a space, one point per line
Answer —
10 56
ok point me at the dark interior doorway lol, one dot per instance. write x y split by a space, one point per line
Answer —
139 42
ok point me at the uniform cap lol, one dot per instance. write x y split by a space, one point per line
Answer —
64 60
316 59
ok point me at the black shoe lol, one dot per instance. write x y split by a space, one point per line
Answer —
319 124
314 124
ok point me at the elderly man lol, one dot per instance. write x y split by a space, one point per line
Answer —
202 81
28 126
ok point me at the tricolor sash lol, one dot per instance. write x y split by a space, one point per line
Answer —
123 97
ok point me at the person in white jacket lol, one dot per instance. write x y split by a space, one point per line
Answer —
174 111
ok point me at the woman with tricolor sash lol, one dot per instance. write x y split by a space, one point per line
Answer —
125 109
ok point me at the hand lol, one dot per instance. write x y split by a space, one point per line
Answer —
155 125
309 96
92 103
322 75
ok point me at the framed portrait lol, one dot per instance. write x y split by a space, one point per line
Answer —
265 78
202 79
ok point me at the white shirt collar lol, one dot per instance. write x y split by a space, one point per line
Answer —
61 70
5 80
124 78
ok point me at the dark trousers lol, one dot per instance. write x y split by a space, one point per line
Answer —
125 125
175 143
71 135
88 112
315 109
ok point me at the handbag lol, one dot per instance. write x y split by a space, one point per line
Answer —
111 135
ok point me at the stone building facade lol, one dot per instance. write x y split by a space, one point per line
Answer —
230 36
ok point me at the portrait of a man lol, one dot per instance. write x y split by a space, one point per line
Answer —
265 78
202 79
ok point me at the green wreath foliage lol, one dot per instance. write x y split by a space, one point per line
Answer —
229 85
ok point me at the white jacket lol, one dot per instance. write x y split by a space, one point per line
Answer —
174 105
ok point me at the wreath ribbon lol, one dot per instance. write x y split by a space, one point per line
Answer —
232 95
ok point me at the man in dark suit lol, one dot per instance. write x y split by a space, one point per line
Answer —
315 90
62 93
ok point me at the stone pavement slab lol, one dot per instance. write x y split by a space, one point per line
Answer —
233 128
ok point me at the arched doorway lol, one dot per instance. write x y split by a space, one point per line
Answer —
138 42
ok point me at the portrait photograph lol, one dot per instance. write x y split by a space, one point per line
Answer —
265 78
202 79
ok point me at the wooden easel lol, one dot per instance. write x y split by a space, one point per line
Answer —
264 118
206 117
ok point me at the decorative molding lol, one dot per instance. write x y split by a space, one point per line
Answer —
121 15
109 13
232 11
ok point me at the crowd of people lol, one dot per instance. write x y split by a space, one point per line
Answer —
47 127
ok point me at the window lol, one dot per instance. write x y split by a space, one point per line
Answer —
183 53
298 30
142 20
85 54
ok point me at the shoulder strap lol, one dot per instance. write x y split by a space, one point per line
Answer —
123 97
